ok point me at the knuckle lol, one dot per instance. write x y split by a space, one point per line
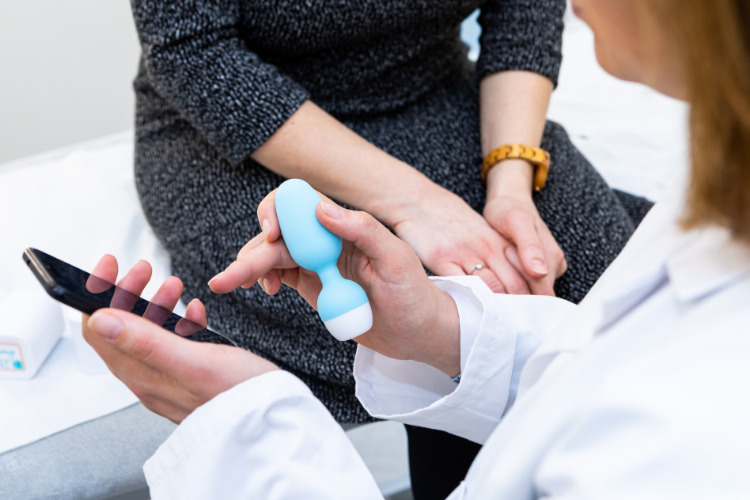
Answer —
515 285
142 347
148 399
547 291
88 335
563 267
439 254
368 221
141 389
486 247
494 284
264 205
142 392
532 249
504 222
559 257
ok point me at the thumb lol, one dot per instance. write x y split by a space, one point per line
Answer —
367 234
522 231
135 337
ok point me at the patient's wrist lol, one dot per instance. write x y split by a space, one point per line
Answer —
409 192
511 177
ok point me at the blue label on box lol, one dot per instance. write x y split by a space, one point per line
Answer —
11 357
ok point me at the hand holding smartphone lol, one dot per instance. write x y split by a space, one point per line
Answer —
87 293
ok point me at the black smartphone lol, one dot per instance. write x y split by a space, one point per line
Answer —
87 293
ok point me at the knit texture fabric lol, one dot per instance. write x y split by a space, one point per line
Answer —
217 78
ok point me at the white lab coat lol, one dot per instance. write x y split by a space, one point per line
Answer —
638 392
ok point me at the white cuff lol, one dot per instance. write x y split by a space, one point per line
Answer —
469 309
418 394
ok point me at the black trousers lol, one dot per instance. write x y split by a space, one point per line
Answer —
438 461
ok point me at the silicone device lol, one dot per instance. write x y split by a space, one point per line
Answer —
342 304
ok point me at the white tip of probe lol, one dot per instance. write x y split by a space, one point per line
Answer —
351 324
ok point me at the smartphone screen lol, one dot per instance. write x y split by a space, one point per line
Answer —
87 293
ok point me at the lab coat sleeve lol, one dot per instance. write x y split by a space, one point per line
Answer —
498 334
269 438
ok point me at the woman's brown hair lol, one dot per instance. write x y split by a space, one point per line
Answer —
714 41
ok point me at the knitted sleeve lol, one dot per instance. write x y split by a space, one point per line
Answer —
521 35
196 60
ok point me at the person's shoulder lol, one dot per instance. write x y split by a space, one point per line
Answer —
692 374
666 421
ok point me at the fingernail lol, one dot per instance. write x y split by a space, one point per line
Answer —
539 266
214 278
106 325
264 283
266 227
331 211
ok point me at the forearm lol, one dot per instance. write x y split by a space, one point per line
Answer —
314 146
513 110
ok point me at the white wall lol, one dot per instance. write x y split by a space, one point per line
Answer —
66 68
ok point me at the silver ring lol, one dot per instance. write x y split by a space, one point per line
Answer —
477 267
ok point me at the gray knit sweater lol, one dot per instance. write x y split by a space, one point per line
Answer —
217 78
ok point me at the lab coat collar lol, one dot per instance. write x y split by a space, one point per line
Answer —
634 274
696 263
711 260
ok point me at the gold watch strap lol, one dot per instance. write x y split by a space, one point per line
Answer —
536 156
